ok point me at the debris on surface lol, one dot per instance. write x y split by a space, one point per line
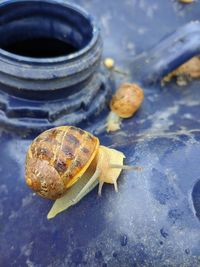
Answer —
185 73
124 103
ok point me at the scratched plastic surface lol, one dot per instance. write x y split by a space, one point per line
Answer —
153 220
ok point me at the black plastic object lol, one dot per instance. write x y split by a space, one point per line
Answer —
50 55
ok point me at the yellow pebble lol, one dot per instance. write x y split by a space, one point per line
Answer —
109 63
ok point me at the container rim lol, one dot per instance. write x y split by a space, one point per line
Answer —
59 59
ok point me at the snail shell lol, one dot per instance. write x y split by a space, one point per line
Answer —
57 158
127 99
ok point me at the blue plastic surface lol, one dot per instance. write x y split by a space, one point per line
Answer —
179 47
153 220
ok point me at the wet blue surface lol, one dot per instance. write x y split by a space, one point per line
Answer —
153 220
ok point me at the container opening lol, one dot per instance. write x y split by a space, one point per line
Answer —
43 29
40 48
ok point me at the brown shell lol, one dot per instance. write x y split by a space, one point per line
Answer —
64 153
127 99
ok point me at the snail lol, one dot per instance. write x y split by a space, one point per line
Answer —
59 157
184 73
124 103
109 63
186 1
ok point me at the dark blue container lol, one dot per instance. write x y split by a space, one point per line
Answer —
154 219
50 55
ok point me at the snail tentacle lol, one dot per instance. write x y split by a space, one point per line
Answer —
100 187
115 185
125 167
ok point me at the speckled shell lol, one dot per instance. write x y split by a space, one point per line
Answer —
57 158
127 99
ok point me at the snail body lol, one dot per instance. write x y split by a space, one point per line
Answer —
58 157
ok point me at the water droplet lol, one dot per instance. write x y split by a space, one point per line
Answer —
77 256
98 254
163 233
187 251
196 198
115 254
175 214
123 240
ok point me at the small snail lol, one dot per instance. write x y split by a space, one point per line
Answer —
124 103
184 73
186 1
58 157
109 63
